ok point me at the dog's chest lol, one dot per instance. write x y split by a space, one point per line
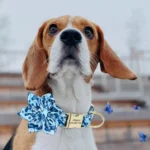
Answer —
65 139
72 95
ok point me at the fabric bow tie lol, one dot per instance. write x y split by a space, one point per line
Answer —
42 113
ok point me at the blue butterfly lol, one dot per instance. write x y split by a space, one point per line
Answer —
108 108
143 137
137 107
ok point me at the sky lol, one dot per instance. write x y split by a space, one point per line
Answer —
113 16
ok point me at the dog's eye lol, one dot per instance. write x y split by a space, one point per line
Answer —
53 29
88 31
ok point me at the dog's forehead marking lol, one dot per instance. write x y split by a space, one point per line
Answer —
73 21
69 25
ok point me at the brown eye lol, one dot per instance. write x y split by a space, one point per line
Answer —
53 29
88 31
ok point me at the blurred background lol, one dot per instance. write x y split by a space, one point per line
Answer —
126 28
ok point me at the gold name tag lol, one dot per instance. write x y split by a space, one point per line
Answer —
74 120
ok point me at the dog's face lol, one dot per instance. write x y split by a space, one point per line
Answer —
73 45
72 40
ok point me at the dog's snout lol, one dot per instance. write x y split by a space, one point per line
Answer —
71 37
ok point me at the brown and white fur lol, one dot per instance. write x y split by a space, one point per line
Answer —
48 69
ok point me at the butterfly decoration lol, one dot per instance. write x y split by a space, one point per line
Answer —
43 114
143 137
136 107
108 108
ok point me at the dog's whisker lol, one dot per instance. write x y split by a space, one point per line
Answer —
94 56
93 63
46 60
93 60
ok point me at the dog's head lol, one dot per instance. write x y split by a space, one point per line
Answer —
70 44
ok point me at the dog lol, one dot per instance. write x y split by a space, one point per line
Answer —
62 60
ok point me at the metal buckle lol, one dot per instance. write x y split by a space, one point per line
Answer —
74 120
102 117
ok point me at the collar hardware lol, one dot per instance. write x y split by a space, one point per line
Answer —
42 113
101 116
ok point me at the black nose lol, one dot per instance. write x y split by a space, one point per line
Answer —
71 37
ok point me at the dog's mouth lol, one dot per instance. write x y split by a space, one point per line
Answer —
69 60
69 57
68 63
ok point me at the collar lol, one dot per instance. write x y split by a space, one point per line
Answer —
42 113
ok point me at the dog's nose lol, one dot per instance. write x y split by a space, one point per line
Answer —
71 37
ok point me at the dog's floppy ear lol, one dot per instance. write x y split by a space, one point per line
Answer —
110 63
35 64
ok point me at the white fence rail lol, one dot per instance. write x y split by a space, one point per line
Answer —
11 62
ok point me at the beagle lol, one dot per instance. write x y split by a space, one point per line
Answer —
62 60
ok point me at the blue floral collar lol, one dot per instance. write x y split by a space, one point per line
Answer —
42 113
